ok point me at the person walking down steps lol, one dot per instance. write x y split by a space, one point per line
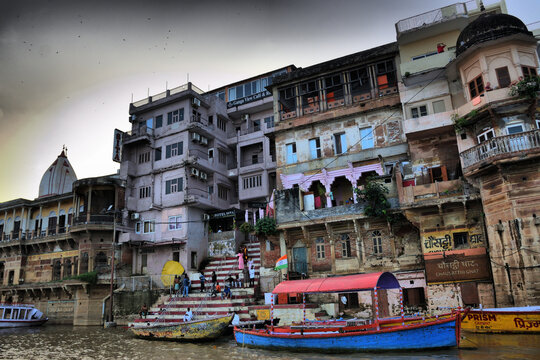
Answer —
251 268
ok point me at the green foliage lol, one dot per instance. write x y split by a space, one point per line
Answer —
461 122
246 228
527 88
374 195
266 226
89 277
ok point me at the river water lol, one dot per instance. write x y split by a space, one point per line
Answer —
67 342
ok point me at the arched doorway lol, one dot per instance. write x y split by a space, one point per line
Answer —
84 263
67 268
319 193
342 191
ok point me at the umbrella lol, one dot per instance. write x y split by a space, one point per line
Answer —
170 269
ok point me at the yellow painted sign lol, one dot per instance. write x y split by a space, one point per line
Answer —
263 314
444 240
502 322
54 255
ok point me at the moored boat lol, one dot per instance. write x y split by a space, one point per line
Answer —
20 315
380 335
503 320
203 329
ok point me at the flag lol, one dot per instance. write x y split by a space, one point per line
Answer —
281 263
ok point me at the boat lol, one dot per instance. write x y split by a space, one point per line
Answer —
380 335
503 320
204 329
20 315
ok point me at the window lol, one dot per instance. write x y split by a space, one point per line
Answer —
503 77
145 191
460 238
254 159
194 262
210 189
210 154
418 111
418 57
174 149
175 222
222 157
269 122
221 95
174 185
210 119
223 192
476 87
486 135
287 99
159 121
439 107
252 181
137 228
175 116
334 87
149 226
514 128
377 242
256 125
157 154
291 153
414 297
360 81
345 245
386 74
537 123
340 143
144 157
319 244
315 148
528 71
176 256
221 124
366 138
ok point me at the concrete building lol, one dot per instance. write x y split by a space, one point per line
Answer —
196 165
66 231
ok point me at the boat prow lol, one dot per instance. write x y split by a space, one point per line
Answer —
20 315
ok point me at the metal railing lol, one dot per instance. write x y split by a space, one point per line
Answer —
145 282
501 145
431 17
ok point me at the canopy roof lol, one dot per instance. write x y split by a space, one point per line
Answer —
349 283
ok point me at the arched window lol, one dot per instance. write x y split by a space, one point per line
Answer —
377 242
67 268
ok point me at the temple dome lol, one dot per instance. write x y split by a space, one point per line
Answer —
59 177
489 26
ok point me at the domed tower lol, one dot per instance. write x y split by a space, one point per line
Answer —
58 178
498 126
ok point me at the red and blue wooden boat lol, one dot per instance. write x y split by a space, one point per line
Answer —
395 335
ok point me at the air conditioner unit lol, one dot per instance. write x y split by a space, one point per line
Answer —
204 141
245 117
135 216
196 102
206 217
195 137
203 175
194 172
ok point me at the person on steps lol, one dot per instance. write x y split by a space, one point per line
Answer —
185 290
188 316
202 279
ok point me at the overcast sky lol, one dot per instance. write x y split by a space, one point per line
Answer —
69 69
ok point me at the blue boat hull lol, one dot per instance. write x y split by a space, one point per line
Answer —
437 335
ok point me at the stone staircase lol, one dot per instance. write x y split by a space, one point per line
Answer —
171 308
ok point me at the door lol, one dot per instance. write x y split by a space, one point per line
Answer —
383 303
300 260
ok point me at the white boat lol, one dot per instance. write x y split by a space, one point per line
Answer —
19 315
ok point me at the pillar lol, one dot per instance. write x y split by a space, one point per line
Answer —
89 205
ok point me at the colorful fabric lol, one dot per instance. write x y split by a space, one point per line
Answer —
282 263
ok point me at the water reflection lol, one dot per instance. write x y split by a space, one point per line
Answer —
66 342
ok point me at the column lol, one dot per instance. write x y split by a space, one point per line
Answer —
330 236
40 221
58 218
23 223
89 205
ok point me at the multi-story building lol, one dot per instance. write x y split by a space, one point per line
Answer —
195 163
66 231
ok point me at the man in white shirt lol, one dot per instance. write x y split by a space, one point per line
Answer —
188 316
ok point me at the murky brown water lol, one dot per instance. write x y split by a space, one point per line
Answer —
67 342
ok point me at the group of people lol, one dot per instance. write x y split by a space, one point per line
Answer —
247 266
182 285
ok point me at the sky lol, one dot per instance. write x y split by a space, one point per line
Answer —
69 69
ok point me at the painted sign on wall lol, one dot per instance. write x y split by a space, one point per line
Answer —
448 240
457 267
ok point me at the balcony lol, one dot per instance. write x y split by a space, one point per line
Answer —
431 18
485 99
439 191
519 146
96 222
435 61
428 122
141 134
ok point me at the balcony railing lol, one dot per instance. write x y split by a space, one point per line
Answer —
501 146
431 17
94 219
143 132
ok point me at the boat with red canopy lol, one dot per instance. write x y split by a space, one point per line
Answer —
381 335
